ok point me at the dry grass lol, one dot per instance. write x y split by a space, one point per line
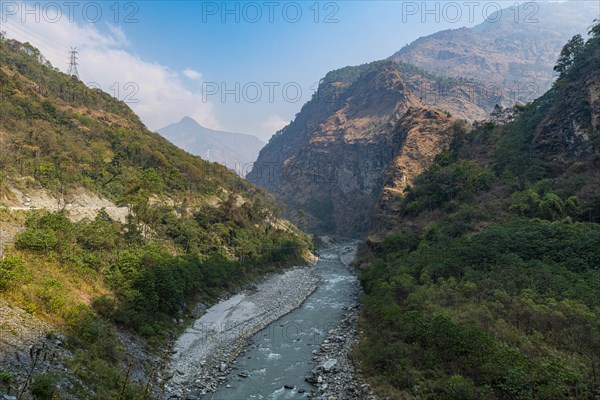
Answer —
49 292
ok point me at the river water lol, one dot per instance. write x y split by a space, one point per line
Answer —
281 354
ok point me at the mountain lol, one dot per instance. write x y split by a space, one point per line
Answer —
512 52
237 151
554 139
109 235
359 121
370 129
328 165
482 282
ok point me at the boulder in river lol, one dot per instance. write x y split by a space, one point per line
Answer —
329 364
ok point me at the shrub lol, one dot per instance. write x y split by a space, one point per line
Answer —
44 386
53 294
13 271
6 379
36 239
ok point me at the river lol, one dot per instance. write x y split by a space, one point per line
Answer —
281 355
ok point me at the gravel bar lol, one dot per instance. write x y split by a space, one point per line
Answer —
206 352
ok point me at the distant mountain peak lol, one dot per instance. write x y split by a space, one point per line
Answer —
188 121
236 151
513 55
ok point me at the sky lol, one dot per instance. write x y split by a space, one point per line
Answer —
239 66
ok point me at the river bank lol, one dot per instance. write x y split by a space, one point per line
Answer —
205 354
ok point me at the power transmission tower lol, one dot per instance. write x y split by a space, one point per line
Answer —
73 63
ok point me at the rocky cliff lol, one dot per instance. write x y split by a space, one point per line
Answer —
542 162
571 127
331 162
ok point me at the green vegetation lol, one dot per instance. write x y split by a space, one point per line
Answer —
44 386
195 231
568 54
147 278
491 290
65 135
511 312
6 379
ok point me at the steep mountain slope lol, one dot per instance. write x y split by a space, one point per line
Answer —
236 151
342 142
488 285
555 139
513 51
108 287
329 163
572 123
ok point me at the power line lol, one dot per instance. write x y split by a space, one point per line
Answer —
50 46
29 33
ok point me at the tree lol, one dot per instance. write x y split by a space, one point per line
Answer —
300 219
502 115
569 52
551 206
595 29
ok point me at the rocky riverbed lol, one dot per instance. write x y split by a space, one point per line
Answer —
335 375
205 354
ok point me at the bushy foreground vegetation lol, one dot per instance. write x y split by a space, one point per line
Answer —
491 289
136 283
147 279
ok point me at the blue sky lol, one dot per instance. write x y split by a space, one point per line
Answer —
177 50
230 47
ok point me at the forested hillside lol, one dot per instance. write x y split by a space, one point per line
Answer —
193 232
489 285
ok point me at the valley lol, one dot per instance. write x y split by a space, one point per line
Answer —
426 227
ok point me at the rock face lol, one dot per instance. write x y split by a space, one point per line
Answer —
426 132
571 129
30 345
331 162
514 50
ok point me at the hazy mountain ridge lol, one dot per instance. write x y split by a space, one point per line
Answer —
237 151
512 51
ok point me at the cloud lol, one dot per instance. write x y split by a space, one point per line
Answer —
118 34
274 123
154 91
190 73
